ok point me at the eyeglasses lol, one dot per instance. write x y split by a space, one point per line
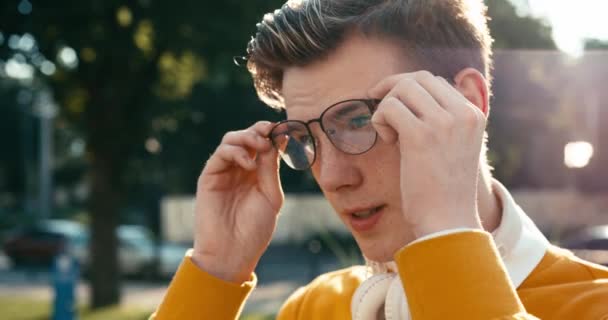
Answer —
347 124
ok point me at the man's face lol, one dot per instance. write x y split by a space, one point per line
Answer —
363 189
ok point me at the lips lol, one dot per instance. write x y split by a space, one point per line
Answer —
364 219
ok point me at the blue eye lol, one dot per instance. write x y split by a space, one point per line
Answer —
305 139
359 122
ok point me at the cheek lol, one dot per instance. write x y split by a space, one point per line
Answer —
384 160
315 170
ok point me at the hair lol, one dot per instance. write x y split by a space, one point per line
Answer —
441 36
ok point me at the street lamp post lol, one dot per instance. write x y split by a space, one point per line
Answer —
46 110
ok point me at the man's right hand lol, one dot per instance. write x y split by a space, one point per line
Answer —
238 199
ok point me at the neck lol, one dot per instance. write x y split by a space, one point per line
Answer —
489 206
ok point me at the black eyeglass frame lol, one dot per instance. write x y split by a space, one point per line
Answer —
372 104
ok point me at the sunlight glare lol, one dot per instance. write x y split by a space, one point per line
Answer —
577 154
572 23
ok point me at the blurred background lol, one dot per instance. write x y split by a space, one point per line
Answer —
109 109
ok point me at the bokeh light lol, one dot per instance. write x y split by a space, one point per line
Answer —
13 41
77 147
153 146
577 154
18 70
67 57
24 7
27 42
88 54
48 68
124 16
144 36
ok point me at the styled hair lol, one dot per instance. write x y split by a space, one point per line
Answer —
441 36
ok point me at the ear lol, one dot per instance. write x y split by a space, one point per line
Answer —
473 85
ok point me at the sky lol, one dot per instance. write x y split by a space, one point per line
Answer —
572 21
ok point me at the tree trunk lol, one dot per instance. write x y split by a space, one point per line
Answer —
104 207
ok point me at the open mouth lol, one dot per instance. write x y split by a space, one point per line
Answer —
366 213
366 220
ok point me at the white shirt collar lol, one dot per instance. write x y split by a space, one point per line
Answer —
520 244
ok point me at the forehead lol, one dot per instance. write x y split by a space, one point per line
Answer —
347 73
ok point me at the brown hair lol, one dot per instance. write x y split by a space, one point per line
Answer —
442 36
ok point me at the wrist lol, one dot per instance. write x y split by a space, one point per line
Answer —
222 269
439 225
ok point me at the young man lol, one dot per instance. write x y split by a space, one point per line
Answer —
386 102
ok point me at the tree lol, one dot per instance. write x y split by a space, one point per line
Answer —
596 44
117 60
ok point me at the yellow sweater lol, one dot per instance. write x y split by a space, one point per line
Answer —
457 276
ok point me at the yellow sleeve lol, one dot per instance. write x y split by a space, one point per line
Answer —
195 294
457 276
291 307
326 297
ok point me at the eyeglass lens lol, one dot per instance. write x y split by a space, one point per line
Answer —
347 125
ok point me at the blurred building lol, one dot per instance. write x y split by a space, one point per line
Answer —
301 216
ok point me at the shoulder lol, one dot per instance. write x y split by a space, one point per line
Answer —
329 295
564 286
560 266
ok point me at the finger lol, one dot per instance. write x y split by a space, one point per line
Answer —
459 104
393 121
382 88
262 127
417 99
437 88
448 97
227 156
248 138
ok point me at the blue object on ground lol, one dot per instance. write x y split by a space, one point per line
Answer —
65 275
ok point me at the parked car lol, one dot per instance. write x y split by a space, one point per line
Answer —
39 244
590 244
136 250
136 253
171 256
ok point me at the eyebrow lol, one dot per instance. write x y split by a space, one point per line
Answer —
347 109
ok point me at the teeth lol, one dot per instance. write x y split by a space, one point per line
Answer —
364 214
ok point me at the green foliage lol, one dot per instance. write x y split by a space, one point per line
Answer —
513 31
595 44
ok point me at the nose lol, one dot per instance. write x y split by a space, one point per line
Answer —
335 170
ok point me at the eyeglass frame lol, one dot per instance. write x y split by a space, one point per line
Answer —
372 105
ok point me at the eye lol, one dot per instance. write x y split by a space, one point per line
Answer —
359 121
305 139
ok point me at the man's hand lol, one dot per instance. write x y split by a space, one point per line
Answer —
439 133
238 199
